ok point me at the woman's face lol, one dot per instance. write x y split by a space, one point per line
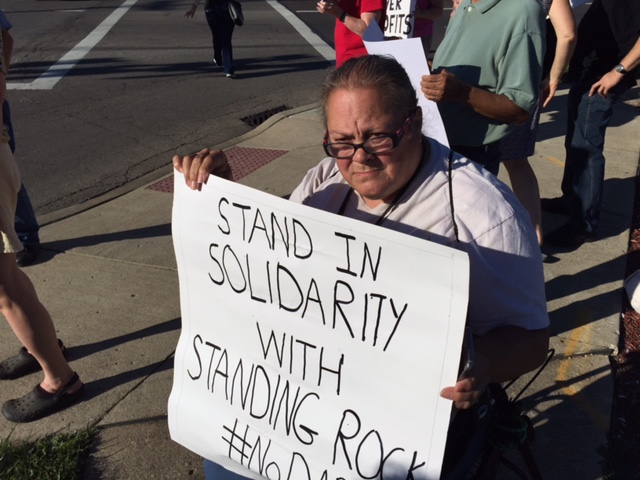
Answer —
354 116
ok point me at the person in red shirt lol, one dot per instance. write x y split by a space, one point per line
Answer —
352 19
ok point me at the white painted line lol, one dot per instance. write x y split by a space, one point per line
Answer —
48 79
314 40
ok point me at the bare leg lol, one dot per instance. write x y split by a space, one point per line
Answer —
32 324
525 185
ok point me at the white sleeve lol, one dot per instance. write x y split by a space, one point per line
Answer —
313 179
507 279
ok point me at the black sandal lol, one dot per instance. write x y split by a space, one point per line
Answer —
22 363
39 403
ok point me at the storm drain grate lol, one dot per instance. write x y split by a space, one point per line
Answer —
259 118
243 161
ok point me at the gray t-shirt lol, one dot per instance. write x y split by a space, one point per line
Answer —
506 276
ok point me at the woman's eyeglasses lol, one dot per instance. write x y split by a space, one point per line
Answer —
381 143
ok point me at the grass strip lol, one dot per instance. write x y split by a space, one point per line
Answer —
54 457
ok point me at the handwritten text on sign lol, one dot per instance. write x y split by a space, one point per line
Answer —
313 346
399 18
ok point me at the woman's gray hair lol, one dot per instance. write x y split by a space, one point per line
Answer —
382 73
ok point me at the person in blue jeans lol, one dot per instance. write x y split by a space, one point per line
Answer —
26 224
603 66
221 25
213 471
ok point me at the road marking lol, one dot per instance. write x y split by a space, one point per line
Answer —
48 79
314 40
577 336
556 161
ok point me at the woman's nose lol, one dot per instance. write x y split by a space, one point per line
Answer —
360 155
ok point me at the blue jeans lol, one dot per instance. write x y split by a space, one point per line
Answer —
26 224
583 178
213 471
221 26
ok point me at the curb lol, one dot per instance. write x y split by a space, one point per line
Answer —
151 177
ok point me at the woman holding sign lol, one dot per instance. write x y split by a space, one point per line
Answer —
380 169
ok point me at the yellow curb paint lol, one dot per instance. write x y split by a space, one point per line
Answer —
578 336
556 161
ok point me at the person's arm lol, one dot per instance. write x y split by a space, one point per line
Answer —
561 16
610 79
434 11
355 24
192 10
446 87
197 168
501 355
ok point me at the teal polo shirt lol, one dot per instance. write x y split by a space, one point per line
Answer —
497 45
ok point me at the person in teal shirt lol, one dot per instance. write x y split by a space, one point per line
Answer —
486 74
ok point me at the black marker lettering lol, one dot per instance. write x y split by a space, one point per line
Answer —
195 349
346 269
226 231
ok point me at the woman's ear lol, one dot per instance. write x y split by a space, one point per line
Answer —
417 119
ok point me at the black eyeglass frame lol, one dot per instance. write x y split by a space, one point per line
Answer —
395 141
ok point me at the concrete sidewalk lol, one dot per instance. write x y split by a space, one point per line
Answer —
111 285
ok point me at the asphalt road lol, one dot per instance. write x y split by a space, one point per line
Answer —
146 90
104 92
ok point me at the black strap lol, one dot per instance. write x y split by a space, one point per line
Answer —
453 213
426 152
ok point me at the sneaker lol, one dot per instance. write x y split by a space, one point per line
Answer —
215 62
554 205
28 255
569 236
231 75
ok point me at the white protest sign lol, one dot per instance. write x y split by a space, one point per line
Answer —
399 18
313 346
410 54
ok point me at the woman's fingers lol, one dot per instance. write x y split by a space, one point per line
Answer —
197 168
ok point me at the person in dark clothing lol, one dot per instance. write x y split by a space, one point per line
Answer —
221 25
603 67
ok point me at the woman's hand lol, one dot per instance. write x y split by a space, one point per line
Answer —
468 390
329 8
191 12
548 89
197 168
